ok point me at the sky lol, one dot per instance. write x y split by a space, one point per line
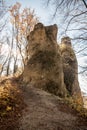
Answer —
45 16
41 10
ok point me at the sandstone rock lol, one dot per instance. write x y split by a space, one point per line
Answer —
52 67
44 68
70 69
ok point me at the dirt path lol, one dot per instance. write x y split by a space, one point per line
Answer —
47 112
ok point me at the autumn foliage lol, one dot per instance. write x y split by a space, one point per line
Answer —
23 22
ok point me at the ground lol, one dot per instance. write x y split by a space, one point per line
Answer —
11 104
23 107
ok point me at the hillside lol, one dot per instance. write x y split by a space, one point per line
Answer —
30 108
46 96
45 111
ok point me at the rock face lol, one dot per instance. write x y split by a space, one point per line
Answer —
70 68
51 67
44 68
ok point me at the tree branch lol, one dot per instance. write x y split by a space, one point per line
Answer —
77 15
84 3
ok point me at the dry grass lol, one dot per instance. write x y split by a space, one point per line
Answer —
85 101
75 104
11 104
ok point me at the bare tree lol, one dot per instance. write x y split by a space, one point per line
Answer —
74 15
3 21
74 21
22 22
3 11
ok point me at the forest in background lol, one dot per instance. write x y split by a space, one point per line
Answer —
16 23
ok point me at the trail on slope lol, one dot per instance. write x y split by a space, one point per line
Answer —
44 111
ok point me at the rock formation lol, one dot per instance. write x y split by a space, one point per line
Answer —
70 68
51 67
44 68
